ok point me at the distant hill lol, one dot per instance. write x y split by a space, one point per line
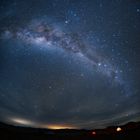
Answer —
129 131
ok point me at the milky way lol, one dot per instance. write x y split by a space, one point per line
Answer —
56 73
41 34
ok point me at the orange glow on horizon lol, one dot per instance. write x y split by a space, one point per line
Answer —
57 127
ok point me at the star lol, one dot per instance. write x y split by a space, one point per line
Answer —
138 10
66 21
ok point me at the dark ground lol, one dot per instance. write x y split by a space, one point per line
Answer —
129 131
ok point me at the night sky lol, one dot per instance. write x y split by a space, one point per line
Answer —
69 63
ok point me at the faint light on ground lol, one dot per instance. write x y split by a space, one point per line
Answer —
93 133
118 129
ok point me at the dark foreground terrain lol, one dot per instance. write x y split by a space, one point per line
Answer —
129 131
